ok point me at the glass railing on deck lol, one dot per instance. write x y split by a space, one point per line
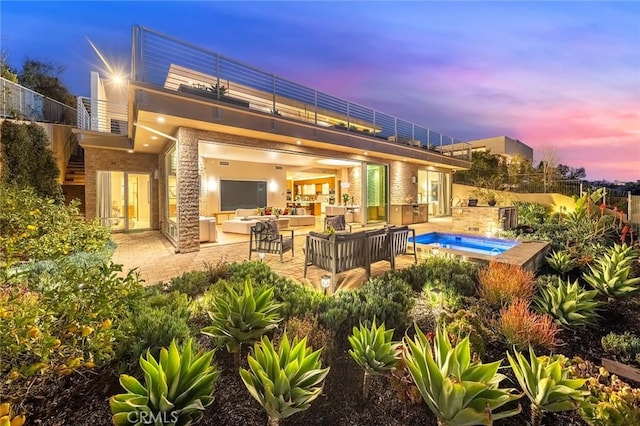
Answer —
175 65
102 116
24 104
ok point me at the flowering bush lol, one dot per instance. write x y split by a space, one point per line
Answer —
34 228
64 320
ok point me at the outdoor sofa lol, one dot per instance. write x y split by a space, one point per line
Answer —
341 252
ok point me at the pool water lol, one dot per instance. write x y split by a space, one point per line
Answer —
480 245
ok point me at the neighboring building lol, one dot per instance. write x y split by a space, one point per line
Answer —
504 146
198 134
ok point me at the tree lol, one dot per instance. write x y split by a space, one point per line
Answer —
44 78
571 172
547 166
5 69
487 171
27 160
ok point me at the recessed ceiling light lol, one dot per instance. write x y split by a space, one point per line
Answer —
366 153
160 119
337 162
145 145
154 138
130 151
298 142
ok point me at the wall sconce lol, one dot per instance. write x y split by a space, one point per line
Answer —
414 179
156 174
273 186
325 282
261 256
212 184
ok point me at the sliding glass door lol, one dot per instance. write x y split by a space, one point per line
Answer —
124 200
377 193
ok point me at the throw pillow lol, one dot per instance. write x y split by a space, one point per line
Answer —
336 222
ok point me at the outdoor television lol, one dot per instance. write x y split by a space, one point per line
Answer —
242 194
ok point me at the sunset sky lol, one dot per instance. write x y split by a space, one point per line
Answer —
563 76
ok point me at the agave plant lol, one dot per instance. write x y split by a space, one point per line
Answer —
561 261
610 275
569 304
7 418
243 318
284 381
177 389
373 350
457 391
546 382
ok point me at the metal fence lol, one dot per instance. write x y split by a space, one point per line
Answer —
176 65
536 183
24 104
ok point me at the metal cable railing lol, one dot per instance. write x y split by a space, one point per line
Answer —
176 65
18 102
102 116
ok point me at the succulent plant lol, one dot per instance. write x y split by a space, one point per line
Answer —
547 383
284 381
243 318
7 418
610 275
561 261
373 350
457 391
568 303
177 389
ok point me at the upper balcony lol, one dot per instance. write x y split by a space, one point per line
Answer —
174 65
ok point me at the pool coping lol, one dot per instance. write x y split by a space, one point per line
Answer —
527 254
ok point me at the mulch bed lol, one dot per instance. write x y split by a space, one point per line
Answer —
82 399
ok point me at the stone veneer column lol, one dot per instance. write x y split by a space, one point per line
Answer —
402 189
188 191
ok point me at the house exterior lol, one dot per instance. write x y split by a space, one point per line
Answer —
503 146
195 134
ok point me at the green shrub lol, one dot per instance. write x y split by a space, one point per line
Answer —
610 275
611 400
561 261
447 298
387 298
284 381
530 213
240 318
456 390
318 336
472 322
191 283
34 228
296 299
569 304
373 350
547 383
624 347
27 160
161 319
178 387
259 272
442 273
